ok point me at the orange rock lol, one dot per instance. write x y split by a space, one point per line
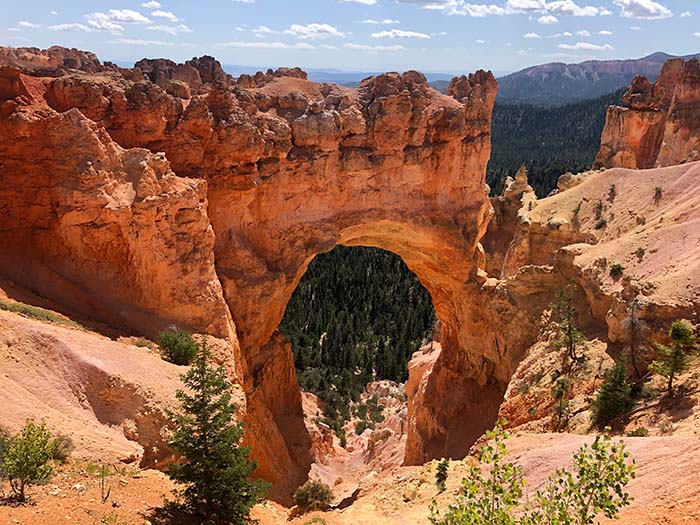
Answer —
657 124
270 172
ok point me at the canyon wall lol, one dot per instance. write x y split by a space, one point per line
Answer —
657 124
176 194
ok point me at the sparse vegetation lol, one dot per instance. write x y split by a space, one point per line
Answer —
602 223
640 253
27 458
37 313
615 395
612 193
215 468
441 474
494 495
179 346
599 207
616 271
658 194
570 337
639 432
674 359
560 392
313 495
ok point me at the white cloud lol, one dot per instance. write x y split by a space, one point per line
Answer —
72 27
365 2
139 42
312 31
151 5
375 49
480 41
587 46
244 1
268 45
605 33
398 33
171 30
642 9
696 34
127 16
543 7
54 13
264 30
164 14
108 21
28 25
685 14
386 22
583 32
560 35
531 36
636 28
548 19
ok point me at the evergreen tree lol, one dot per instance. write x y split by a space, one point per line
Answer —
215 468
674 359
570 337
615 396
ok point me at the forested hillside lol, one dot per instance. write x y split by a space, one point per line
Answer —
549 140
357 315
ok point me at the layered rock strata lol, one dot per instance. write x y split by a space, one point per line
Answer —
657 124
262 174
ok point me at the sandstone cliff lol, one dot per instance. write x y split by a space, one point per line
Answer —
657 124
172 194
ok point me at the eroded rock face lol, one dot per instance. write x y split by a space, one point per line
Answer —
277 170
657 124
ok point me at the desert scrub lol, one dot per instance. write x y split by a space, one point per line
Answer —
495 494
638 432
37 313
28 458
313 495
178 346
616 270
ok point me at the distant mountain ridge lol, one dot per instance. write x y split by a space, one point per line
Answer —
557 83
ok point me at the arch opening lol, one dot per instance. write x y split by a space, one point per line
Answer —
356 318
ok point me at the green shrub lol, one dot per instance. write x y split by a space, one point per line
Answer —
179 346
494 495
602 223
616 270
28 458
675 359
638 432
615 396
313 495
441 475
612 193
658 193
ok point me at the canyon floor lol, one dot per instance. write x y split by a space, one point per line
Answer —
63 370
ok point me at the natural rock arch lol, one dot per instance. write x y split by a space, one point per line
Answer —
268 172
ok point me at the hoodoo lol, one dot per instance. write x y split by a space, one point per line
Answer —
657 124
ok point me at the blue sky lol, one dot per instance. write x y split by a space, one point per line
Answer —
360 35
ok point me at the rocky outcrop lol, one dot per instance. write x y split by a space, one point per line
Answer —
657 124
268 176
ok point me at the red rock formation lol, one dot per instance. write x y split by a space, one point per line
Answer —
278 173
657 124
